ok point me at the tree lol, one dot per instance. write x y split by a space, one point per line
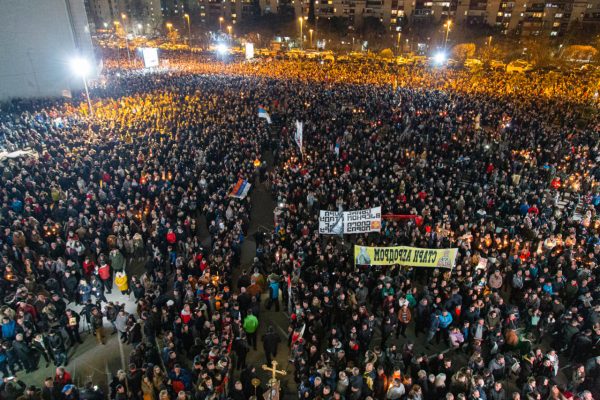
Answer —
462 51
387 54
173 36
537 50
579 52
488 53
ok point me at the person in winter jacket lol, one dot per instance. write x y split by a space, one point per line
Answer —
8 329
456 338
445 321
273 294
404 318
117 261
270 342
23 352
85 291
121 282
103 272
250 327
97 289
171 237
57 345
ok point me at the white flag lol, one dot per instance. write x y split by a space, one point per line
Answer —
298 136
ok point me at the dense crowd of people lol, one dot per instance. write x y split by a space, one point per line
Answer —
486 170
577 87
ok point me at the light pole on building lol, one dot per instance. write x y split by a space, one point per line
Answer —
447 25
187 17
301 33
124 18
82 68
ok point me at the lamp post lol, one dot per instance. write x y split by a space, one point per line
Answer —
220 24
310 31
187 17
124 19
398 45
81 67
229 28
301 33
317 28
117 23
447 26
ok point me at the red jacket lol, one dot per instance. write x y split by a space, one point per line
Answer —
171 237
104 272
88 267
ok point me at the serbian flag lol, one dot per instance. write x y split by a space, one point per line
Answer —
240 189
262 113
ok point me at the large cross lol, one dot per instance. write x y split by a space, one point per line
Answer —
274 371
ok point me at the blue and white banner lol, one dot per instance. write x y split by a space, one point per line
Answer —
262 113
298 135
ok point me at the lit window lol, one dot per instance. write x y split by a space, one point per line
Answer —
394 12
556 24
558 15
554 33
401 13
393 20
428 4
499 13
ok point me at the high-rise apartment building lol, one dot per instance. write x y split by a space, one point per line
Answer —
140 15
230 12
529 17
522 17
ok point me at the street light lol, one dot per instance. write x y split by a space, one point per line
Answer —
399 36
301 34
169 26
82 68
310 31
221 24
229 28
447 26
187 17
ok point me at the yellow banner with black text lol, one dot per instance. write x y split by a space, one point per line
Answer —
406 256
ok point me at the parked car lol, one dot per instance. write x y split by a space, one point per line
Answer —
497 65
473 63
520 66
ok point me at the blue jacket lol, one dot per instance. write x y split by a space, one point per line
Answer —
184 377
445 321
9 330
274 289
